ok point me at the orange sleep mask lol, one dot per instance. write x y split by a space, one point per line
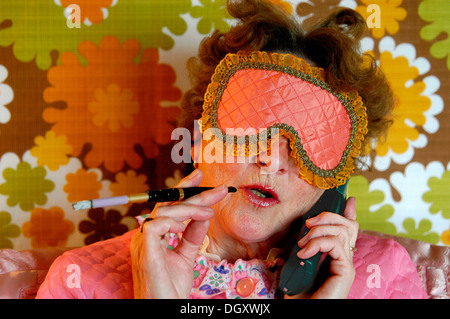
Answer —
260 92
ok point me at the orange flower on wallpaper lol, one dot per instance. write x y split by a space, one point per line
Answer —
48 228
94 11
108 107
82 185
129 183
390 13
113 102
51 150
410 103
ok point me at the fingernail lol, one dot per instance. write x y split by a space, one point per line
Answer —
194 174
220 188
302 241
311 220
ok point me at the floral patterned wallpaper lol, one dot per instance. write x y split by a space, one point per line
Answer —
90 90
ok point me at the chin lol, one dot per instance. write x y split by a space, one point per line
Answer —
249 228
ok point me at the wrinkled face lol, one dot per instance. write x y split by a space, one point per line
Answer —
319 134
258 92
270 194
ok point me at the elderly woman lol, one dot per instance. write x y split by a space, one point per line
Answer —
290 112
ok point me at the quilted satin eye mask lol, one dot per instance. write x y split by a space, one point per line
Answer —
258 92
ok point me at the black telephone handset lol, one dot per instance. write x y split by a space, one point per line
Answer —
303 275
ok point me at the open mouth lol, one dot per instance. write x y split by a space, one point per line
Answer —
260 195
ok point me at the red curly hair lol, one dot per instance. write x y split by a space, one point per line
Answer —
332 44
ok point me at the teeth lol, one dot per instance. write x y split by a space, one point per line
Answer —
259 193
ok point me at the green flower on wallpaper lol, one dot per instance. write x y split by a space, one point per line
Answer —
7 230
437 12
436 195
36 28
26 186
422 232
212 16
377 220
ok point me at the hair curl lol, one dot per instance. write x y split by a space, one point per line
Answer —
332 44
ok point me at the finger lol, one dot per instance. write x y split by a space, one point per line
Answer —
155 230
327 218
191 180
209 197
339 231
206 198
350 208
193 238
329 244
184 211
195 207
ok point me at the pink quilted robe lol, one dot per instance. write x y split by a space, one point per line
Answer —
103 270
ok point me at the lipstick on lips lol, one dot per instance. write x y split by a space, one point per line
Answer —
260 195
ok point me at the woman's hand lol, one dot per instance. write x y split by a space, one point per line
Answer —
159 272
335 235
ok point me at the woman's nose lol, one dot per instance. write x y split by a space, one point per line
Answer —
276 160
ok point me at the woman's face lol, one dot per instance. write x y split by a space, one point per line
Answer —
270 195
